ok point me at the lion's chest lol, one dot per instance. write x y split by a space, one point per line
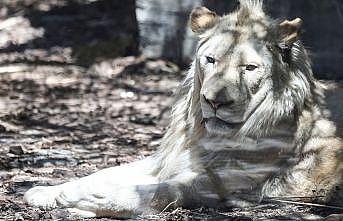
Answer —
243 167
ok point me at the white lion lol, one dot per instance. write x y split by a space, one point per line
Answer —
250 123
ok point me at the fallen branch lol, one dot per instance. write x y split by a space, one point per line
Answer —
304 204
13 69
165 208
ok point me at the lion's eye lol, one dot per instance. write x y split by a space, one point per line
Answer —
250 67
210 60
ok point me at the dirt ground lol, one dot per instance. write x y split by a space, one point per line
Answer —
63 122
61 119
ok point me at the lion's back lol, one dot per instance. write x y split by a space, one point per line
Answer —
334 100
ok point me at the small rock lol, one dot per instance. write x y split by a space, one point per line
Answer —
17 150
2 129
334 217
18 217
145 119
8 127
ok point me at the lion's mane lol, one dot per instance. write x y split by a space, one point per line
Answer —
292 91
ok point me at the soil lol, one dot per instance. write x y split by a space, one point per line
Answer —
61 120
60 123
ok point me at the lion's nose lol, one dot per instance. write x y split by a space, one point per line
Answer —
221 99
214 104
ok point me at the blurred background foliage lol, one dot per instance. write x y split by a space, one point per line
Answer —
87 31
163 28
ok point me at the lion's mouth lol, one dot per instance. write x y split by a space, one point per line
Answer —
220 121
214 125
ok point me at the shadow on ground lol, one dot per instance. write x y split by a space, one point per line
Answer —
87 31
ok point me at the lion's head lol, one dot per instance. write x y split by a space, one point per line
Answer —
251 71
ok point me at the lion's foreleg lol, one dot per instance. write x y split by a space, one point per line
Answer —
316 176
121 191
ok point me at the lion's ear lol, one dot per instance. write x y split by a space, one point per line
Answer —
290 31
202 19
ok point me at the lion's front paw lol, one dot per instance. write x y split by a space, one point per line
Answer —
42 196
